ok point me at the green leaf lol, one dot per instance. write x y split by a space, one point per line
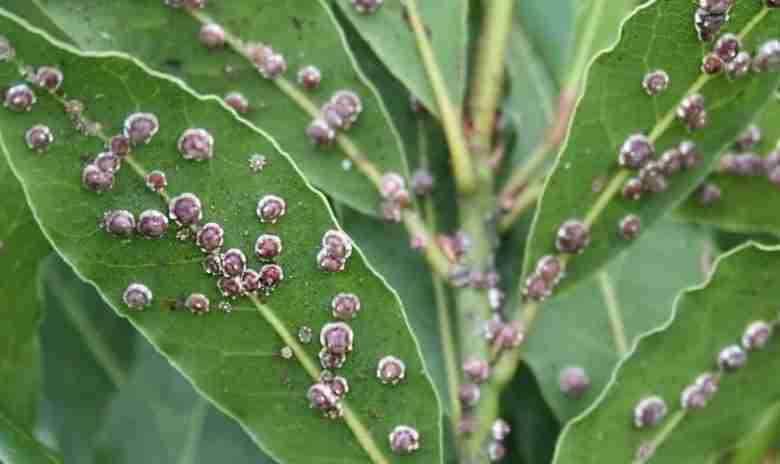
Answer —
17 446
597 26
731 213
86 347
232 359
158 417
388 247
586 180
21 248
532 99
540 101
549 27
137 403
534 426
742 289
405 269
305 34
593 324
390 36
32 12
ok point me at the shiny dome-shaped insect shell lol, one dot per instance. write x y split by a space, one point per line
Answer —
649 411
309 77
390 370
210 237
197 303
137 296
49 78
20 98
38 138
270 208
337 337
152 224
119 222
139 128
185 209
97 180
233 262
268 246
196 144
404 439
345 306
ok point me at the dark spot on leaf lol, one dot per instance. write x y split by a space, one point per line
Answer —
297 24
173 64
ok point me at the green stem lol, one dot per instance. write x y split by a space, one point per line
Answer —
525 200
614 186
448 348
613 310
450 116
487 84
446 331
661 437
761 439
437 261
476 212
520 176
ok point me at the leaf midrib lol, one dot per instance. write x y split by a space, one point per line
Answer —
360 432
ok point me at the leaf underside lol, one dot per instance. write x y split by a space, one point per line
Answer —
576 329
660 35
167 40
389 34
742 290
232 359
21 248
748 203
136 397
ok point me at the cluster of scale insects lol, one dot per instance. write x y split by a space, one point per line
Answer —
649 411
638 152
340 112
229 266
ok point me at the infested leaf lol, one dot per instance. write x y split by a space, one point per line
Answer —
167 40
405 269
388 246
235 360
706 319
389 34
603 316
586 181
746 203
22 246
